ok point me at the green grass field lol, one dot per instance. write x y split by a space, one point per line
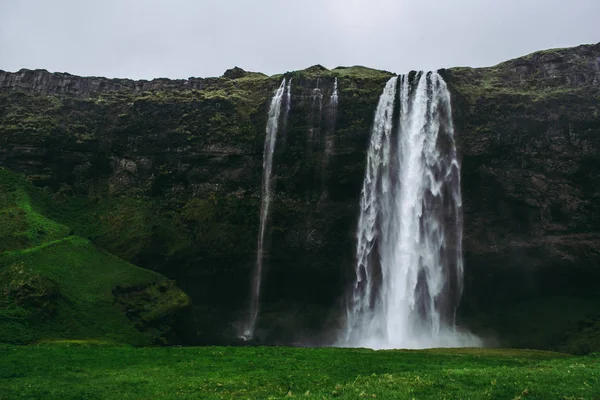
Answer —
80 370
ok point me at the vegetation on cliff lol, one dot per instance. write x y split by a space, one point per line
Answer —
54 285
169 179
529 135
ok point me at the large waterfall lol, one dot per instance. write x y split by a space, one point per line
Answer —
247 331
409 266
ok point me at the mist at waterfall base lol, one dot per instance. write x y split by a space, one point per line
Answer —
409 267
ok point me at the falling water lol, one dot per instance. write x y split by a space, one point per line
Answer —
247 332
316 113
288 103
409 266
289 98
317 97
333 104
334 96
329 138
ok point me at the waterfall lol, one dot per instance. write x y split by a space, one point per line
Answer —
409 267
247 332
331 115
288 104
334 96
316 114
289 98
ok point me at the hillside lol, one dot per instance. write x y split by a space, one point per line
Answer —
58 286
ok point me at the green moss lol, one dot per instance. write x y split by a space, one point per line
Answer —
26 288
502 80
221 226
361 72
147 231
152 308
22 225
58 286
26 115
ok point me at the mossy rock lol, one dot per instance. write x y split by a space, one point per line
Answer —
27 289
159 308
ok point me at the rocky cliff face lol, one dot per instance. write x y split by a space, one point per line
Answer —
43 82
170 180
529 131
167 174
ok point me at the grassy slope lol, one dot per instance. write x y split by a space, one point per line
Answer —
53 285
72 371
21 226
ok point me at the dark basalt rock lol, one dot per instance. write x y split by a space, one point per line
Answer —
43 82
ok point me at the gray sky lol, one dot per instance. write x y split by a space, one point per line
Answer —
183 38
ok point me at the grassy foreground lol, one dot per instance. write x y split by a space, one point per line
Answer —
70 370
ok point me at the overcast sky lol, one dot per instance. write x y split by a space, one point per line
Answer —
183 38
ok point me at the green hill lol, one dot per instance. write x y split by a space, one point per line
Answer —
54 285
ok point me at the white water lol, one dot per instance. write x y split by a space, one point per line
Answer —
316 114
317 96
334 96
247 331
288 103
333 104
289 97
409 267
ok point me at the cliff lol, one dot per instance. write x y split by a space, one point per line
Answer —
530 135
166 174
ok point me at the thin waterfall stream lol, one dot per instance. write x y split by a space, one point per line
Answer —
332 115
247 332
316 112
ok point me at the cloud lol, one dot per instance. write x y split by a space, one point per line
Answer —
182 38
363 14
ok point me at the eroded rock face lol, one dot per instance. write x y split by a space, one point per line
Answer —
579 66
170 179
529 134
43 82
